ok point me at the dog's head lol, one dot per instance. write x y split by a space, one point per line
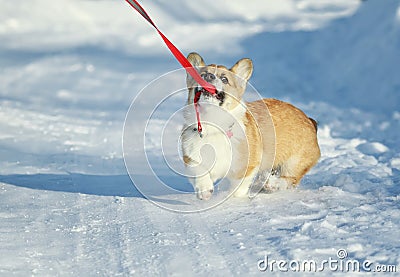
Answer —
230 83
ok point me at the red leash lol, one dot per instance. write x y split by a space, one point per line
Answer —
181 59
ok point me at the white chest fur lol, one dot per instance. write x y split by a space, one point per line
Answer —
215 153
211 153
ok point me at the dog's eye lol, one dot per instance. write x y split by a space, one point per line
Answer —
224 80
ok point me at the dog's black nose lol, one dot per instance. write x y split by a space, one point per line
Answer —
209 77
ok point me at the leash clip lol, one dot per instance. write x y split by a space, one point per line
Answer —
199 130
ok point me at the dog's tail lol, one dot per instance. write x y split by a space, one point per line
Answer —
315 123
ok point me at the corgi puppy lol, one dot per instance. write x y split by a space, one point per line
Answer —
266 141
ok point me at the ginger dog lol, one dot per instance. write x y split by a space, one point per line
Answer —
243 141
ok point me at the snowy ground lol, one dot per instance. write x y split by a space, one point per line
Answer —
68 73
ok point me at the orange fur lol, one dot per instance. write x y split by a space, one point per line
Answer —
295 140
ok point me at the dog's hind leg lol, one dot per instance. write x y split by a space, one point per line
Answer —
294 170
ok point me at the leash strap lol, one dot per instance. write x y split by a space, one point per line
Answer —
181 59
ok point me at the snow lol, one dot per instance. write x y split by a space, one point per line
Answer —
69 71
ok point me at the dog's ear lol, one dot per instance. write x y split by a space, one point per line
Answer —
195 59
243 68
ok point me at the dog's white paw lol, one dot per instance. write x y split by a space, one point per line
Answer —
204 187
276 183
204 194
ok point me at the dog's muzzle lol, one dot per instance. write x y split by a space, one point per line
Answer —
219 95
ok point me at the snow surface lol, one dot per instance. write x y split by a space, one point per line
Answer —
68 73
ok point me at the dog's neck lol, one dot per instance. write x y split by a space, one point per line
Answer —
216 119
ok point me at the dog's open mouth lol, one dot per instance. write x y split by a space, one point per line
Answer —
219 95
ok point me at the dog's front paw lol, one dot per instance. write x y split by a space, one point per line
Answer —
204 194
204 187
